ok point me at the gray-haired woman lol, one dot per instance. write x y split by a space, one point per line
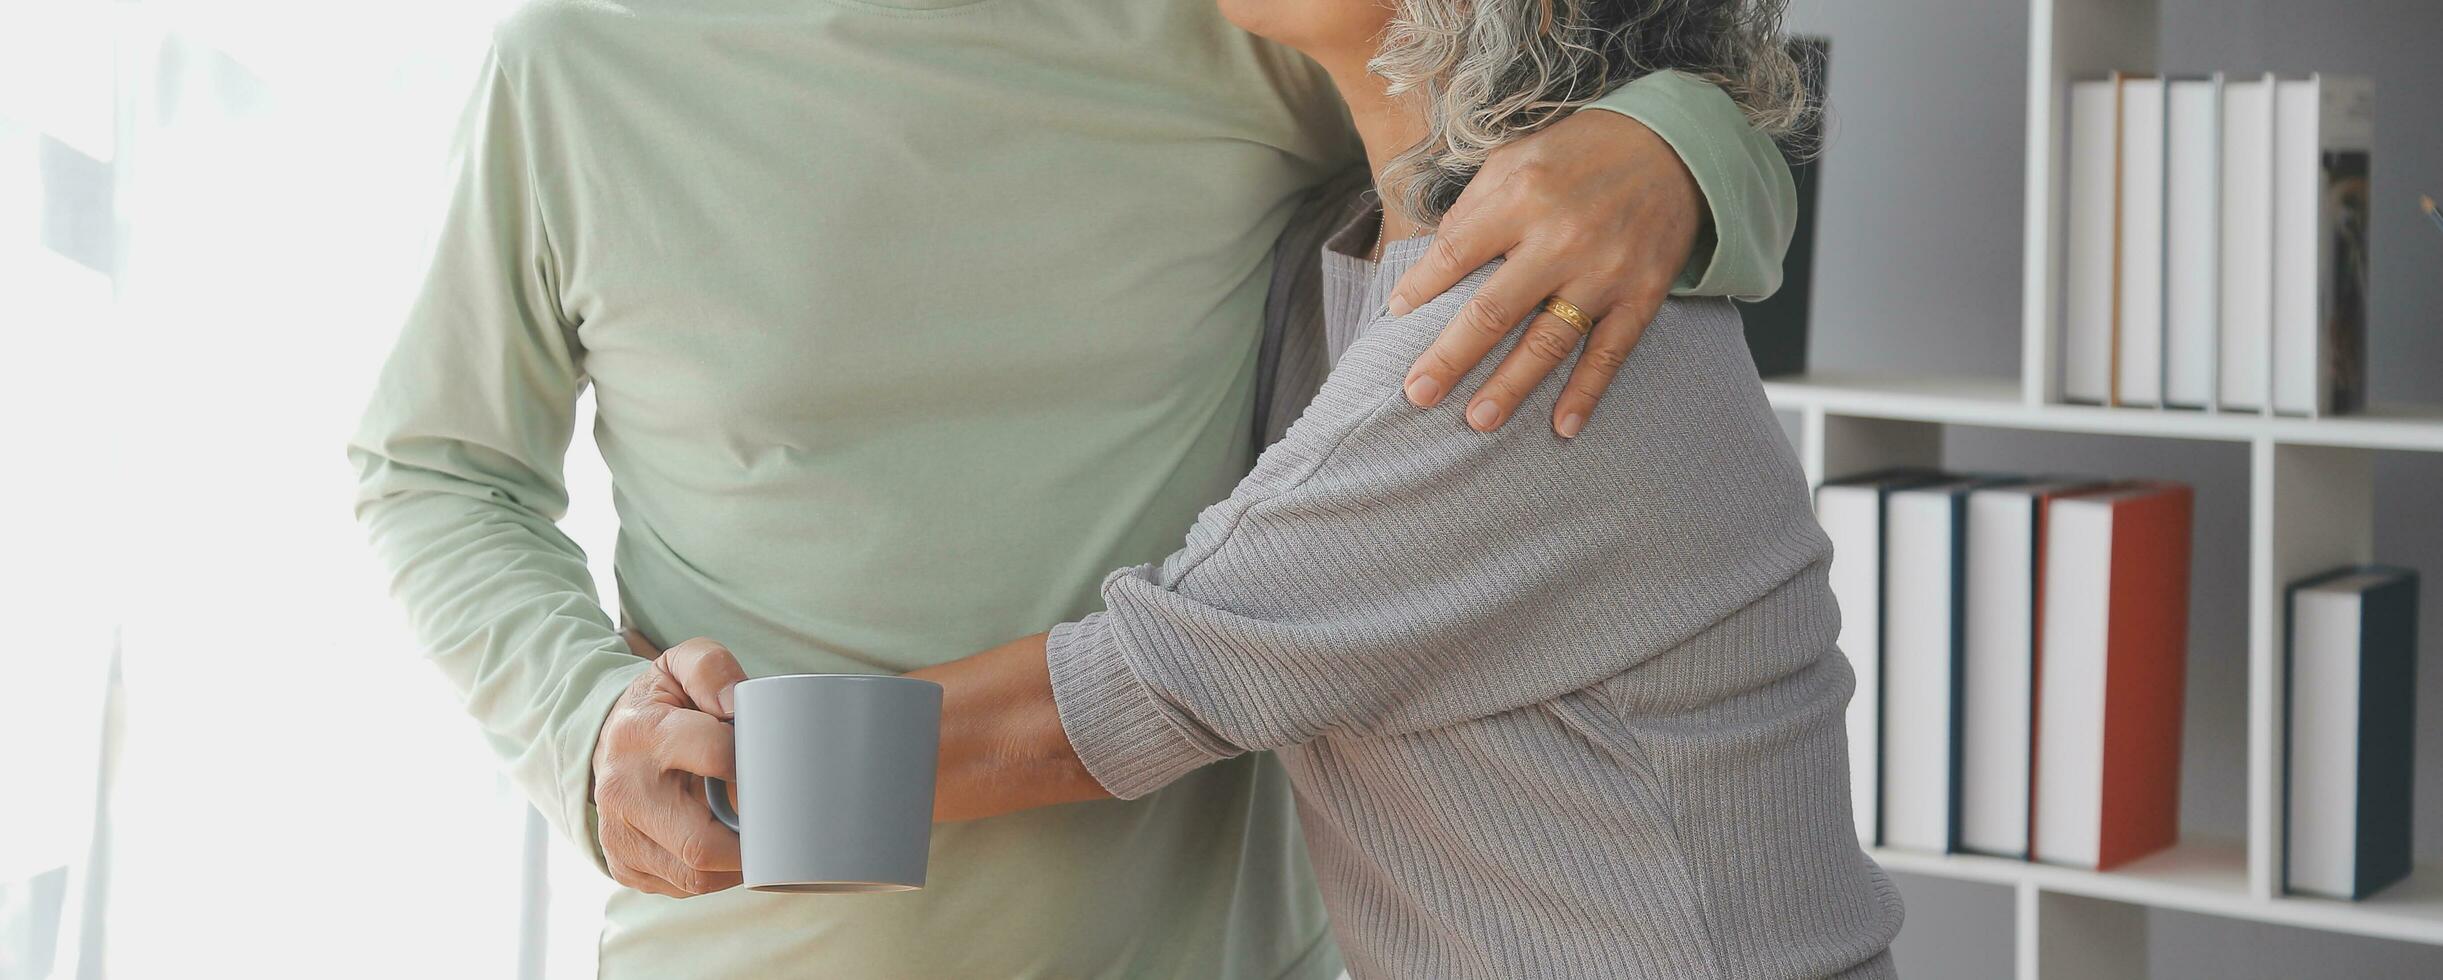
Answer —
1552 708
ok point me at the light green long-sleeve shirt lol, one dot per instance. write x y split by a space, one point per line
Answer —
906 322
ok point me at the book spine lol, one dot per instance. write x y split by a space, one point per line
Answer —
1882 581
2070 692
1921 635
2347 122
2087 308
2192 240
1997 702
2247 244
1959 670
2387 734
2035 664
2290 727
2323 700
2139 286
1852 517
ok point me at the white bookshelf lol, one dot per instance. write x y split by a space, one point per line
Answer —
2310 508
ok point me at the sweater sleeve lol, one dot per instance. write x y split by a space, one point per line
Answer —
459 484
1384 569
1748 189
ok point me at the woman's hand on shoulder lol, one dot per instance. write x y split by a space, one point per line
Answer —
1596 210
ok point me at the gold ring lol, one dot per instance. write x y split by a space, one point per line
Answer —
1570 314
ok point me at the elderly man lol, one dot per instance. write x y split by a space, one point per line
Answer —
861 289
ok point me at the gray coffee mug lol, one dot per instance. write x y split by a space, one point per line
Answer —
835 778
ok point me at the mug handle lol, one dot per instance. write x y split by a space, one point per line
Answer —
717 795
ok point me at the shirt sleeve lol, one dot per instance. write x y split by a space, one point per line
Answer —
1748 189
1385 570
459 482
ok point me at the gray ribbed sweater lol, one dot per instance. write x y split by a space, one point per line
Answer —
1552 708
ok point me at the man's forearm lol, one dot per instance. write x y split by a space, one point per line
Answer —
1750 200
1003 748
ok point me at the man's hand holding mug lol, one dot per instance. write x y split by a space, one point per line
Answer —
662 739
839 768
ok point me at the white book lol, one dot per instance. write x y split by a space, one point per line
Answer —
2090 235
2138 378
1925 540
2323 129
2070 685
2192 239
1998 692
2247 243
1851 512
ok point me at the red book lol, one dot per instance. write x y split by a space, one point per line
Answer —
2112 679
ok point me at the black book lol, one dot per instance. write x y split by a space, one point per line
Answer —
1777 325
2351 710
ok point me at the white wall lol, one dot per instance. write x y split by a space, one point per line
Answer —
1920 271
210 216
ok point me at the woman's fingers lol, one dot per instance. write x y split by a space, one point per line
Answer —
1595 199
1468 236
1606 350
1549 340
1515 291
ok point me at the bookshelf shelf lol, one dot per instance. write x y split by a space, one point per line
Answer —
2200 874
2411 910
1996 402
2206 876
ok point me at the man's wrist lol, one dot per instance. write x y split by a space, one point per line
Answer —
1750 203
1002 747
579 819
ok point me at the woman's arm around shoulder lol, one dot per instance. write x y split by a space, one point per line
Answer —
1384 571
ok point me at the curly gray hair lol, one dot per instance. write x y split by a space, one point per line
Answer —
1492 71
